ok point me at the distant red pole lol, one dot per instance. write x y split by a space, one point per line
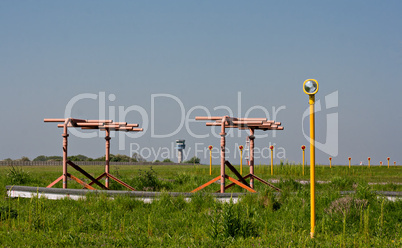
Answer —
252 157
107 138
65 143
223 148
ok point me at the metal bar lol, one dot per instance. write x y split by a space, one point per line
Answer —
206 184
65 145
213 124
80 182
86 174
232 184
233 169
55 181
223 150
265 182
107 138
120 181
240 184
206 118
98 178
62 125
77 120
111 126
54 120
247 122
252 119
251 154
100 121
124 128
92 124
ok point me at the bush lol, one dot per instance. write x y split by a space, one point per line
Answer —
148 180
232 222
193 160
16 175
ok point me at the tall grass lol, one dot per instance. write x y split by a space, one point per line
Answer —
258 220
265 219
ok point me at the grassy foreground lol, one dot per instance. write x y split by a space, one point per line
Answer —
258 220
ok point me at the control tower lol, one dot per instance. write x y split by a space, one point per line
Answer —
180 145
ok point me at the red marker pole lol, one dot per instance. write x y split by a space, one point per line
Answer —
395 163
349 161
330 162
369 161
380 163
388 162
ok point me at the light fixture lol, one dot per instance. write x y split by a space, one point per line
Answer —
310 86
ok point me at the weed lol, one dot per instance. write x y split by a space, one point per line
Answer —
16 175
147 180
7 212
344 205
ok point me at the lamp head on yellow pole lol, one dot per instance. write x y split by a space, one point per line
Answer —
240 148
310 86
271 147
303 147
330 158
210 147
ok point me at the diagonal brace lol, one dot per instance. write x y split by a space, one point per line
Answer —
86 174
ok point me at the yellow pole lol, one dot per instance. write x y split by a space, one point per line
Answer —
312 163
388 162
303 147
330 162
369 161
241 162
349 161
303 162
272 160
310 87
210 160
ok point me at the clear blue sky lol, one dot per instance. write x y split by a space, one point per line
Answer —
204 53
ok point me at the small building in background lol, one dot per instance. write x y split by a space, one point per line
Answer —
180 145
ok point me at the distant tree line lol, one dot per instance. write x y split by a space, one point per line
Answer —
112 158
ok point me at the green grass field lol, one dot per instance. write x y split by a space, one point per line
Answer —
258 220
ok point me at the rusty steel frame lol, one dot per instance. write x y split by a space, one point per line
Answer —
103 125
243 124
